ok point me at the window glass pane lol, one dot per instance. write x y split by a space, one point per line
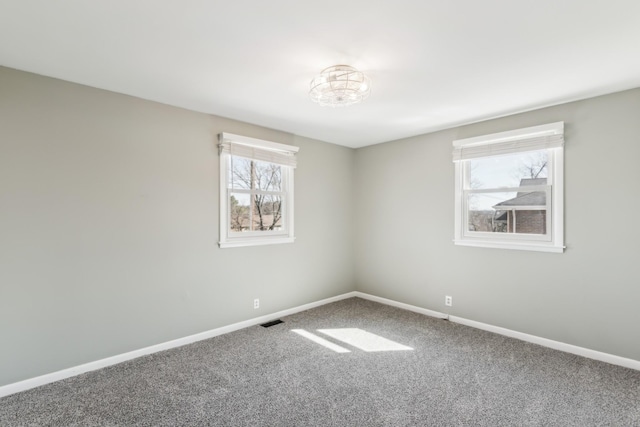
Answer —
264 176
240 173
520 212
513 170
239 212
482 214
267 213
268 176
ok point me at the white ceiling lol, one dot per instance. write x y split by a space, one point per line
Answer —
433 63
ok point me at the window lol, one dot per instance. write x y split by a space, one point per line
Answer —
256 191
509 189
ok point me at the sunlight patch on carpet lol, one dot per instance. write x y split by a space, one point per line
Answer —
364 340
321 341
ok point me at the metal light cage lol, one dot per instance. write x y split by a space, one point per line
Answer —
340 86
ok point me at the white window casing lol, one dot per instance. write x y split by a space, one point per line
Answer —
550 138
237 146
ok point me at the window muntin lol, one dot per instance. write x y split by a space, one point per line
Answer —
509 196
256 194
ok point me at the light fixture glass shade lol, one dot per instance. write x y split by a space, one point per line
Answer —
339 86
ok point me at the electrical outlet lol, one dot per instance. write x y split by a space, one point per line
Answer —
448 301
256 303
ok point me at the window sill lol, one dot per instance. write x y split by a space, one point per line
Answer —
528 246
236 243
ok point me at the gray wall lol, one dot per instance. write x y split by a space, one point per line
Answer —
109 227
109 224
587 296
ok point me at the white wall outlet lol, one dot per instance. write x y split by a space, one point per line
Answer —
448 301
256 303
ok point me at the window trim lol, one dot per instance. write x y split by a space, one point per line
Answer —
263 151
550 137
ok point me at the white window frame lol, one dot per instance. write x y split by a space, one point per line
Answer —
264 151
548 137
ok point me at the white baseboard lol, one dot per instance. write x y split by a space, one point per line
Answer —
402 305
103 363
556 345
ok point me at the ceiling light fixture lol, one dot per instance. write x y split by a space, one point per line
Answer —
340 86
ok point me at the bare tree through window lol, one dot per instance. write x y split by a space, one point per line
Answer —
533 166
256 202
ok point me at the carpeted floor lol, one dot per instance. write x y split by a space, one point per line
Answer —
453 376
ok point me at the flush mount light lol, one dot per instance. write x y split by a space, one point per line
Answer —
340 86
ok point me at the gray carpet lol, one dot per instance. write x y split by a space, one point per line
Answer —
454 376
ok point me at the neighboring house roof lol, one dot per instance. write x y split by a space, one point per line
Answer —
526 198
536 198
533 181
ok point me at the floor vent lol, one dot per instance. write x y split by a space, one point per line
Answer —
273 322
